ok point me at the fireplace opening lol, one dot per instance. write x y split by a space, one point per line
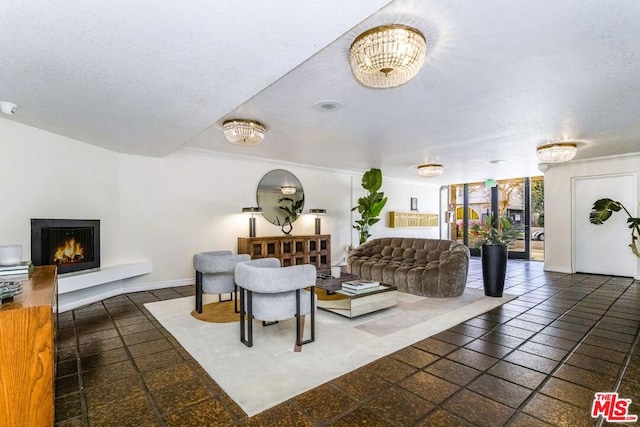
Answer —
70 244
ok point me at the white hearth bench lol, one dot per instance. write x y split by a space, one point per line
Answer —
86 287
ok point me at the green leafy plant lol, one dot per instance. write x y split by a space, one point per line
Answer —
502 233
292 208
369 206
602 211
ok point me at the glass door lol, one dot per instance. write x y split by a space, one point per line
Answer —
475 202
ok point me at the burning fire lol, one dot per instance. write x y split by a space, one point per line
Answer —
72 251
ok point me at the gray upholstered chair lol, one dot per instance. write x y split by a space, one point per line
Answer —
272 293
215 274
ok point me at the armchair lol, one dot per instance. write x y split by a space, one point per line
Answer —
215 274
272 293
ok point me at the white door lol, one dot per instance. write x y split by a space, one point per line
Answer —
603 249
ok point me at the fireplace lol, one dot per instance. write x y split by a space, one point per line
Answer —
71 244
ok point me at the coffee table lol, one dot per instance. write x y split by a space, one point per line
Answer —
332 298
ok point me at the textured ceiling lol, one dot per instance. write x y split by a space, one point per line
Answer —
500 78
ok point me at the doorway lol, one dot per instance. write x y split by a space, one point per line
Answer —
475 202
603 249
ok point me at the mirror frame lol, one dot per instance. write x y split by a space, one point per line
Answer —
276 206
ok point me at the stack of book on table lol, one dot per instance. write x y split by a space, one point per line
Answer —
360 285
11 278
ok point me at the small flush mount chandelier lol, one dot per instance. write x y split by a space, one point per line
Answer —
429 170
556 152
243 132
387 56
288 189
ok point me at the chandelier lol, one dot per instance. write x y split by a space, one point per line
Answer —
243 132
387 56
430 169
288 189
556 152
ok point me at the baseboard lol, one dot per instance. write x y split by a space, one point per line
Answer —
557 269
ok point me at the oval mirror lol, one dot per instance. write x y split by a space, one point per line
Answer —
281 196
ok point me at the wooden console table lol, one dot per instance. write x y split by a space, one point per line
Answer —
314 249
27 354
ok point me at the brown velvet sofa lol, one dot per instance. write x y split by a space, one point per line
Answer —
425 267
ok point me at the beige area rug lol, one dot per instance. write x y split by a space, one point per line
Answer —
270 372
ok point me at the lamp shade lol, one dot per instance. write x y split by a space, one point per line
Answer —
387 56
556 152
430 170
252 209
243 132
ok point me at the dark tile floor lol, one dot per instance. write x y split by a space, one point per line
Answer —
534 361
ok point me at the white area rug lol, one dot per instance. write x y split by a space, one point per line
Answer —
270 372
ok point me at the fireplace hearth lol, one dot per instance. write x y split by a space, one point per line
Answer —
71 244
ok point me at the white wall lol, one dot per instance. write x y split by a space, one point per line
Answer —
558 204
49 176
166 209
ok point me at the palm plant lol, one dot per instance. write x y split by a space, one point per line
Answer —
502 233
370 205
602 211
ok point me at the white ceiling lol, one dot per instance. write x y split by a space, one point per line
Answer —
501 77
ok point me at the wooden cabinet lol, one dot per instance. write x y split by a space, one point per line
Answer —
27 355
290 250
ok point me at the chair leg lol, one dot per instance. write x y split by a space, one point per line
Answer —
235 304
300 321
225 300
198 292
248 341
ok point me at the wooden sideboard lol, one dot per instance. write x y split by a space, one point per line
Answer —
27 354
290 250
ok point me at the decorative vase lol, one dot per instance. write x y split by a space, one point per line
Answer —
287 227
494 269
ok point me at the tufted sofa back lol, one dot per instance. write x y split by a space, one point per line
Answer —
428 267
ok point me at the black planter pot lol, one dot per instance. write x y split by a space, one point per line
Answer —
494 269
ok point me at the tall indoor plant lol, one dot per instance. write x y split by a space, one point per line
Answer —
602 211
369 206
495 237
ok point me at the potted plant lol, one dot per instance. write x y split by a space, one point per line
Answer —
370 205
602 211
495 237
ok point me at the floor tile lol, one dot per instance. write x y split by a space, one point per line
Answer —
400 406
472 358
556 412
517 374
478 409
452 371
415 357
500 390
532 361
429 387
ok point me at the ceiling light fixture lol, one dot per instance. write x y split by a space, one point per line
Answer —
8 108
430 170
243 132
327 106
288 189
556 152
387 56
